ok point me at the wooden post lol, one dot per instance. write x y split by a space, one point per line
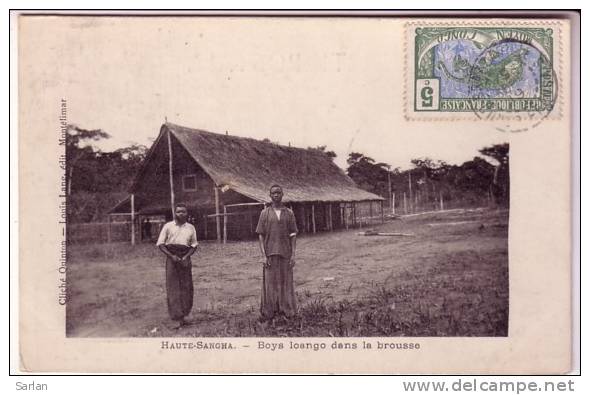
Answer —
442 203
313 218
345 215
360 217
371 211
302 216
410 186
393 203
217 216
205 220
224 224
251 222
382 213
170 173
405 204
109 236
330 225
132 219
391 197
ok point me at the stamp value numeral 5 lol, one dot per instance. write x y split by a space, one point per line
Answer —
427 94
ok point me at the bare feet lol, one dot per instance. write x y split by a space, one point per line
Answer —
179 324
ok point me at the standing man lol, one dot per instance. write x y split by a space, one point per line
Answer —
178 241
277 232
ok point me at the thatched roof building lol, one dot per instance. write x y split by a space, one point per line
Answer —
213 172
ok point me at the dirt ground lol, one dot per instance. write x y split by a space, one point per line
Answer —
450 278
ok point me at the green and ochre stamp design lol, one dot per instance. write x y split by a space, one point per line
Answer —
484 69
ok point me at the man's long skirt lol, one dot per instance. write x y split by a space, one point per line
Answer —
179 284
278 294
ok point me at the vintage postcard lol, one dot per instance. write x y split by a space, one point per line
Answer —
276 194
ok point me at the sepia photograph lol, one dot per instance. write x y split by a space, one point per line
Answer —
357 194
223 235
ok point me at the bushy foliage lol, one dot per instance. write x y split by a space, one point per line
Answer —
430 180
97 180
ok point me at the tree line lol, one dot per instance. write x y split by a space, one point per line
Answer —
96 180
435 184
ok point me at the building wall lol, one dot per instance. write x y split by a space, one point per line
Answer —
153 188
203 197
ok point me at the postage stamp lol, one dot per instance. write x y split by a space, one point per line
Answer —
465 70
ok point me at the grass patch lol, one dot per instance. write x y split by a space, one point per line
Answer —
453 298
442 282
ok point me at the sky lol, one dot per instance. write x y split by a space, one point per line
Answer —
304 82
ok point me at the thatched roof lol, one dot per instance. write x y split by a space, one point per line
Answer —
250 167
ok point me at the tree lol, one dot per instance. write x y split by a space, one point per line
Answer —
474 175
92 170
322 149
500 183
430 178
76 153
367 174
97 180
498 152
